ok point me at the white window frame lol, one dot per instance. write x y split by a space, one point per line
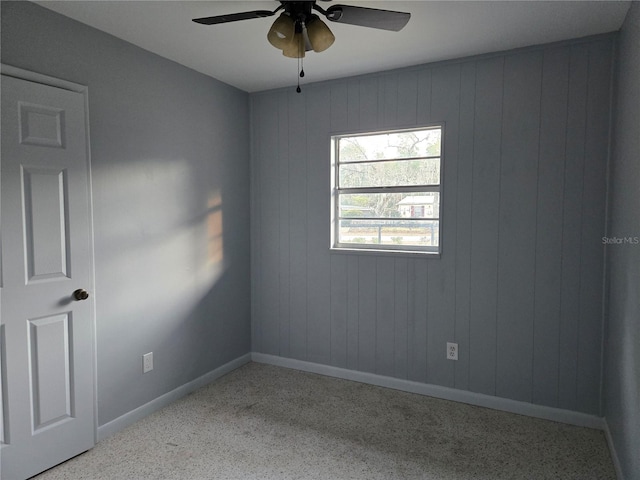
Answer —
336 191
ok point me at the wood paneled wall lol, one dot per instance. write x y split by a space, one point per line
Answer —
519 283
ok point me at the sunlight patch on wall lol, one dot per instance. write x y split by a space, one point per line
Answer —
215 230
162 230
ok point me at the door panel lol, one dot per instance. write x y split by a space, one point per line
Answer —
47 354
41 125
50 368
45 223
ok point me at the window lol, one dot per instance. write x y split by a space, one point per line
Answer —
386 190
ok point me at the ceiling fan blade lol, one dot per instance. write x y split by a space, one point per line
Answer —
368 17
234 17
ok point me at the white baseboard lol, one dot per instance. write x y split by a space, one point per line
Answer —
463 396
612 450
139 413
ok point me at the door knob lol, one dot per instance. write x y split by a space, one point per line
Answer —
81 294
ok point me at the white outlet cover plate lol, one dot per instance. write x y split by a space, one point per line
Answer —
452 351
147 362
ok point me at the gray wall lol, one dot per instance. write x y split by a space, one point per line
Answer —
622 372
170 157
519 284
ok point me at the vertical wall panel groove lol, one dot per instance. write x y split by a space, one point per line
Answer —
256 253
464 190
339 327
270 231
317 218
516 254
549 226
484 224
353 332
407 110
572 221
389 104
367 314
424 97
593 211
353 105
401 316
298 228
285 214
385 316
418 321
368 104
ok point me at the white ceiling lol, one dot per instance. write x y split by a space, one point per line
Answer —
239 54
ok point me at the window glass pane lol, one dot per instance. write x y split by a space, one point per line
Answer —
386 146
421 233
383 174
389 205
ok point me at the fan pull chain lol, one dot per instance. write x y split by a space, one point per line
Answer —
300 62
301 75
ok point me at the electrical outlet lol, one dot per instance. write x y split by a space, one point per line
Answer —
452 351
147 362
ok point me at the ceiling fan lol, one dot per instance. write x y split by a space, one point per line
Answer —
298 29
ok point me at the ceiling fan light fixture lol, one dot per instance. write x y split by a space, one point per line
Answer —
320 37
298 30
282 32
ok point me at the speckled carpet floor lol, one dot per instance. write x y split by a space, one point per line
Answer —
265 422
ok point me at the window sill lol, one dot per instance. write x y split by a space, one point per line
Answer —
386 253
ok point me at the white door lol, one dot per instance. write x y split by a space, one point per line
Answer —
46 333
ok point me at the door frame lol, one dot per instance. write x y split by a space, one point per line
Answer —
30 76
